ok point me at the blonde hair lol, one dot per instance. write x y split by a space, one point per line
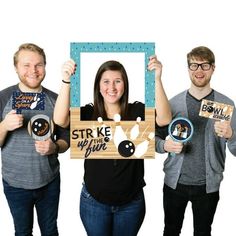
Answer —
29 47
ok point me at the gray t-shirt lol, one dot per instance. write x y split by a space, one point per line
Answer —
193 171
22 166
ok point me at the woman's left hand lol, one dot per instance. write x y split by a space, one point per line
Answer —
156 65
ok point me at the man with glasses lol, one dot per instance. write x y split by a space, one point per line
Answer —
195 172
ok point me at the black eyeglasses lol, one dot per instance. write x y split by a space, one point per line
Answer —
204 66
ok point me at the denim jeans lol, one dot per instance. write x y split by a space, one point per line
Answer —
22 203
203 207
105 220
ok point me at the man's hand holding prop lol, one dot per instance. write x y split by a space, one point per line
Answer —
222 113
40 127
180 131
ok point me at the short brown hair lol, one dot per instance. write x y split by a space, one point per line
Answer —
202 53
30 47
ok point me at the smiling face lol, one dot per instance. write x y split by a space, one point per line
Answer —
111 90
30 68
111 87
200 78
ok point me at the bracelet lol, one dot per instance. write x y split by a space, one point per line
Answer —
66 82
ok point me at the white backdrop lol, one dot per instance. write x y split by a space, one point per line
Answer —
176 27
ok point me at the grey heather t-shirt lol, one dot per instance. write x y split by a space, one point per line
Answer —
193 171
22 166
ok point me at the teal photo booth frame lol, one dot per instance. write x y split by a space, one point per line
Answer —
141 88
147 48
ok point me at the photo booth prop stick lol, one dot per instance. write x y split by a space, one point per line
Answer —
27 101
40 127
216 110
180 130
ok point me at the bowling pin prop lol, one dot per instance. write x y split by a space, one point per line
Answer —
100 120
40 127
134 132
119 134
180 130
142 147
35 102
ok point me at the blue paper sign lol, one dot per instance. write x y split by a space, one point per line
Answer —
28 101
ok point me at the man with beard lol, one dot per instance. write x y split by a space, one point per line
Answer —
30 169
195 172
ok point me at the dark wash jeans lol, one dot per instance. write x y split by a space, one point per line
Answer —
22 203
203 207
105 220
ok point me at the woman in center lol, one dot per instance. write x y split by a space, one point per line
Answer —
112 200
111 92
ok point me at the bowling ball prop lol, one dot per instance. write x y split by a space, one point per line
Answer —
40 127
126 148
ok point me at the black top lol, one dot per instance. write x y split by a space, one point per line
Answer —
114 182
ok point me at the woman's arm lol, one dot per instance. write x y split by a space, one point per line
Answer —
62 106
163 111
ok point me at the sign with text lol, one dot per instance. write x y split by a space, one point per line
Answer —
116 137
216 110
27 101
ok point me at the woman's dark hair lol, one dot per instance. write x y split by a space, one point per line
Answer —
99 108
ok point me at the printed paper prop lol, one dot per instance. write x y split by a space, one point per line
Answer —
100 120
99 139
143 147
135 130
40 127
112 139
216 110
126 148
27 101
180 129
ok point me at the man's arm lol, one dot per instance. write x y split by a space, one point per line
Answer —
48 147
3 133
166 145
231 137
11 122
